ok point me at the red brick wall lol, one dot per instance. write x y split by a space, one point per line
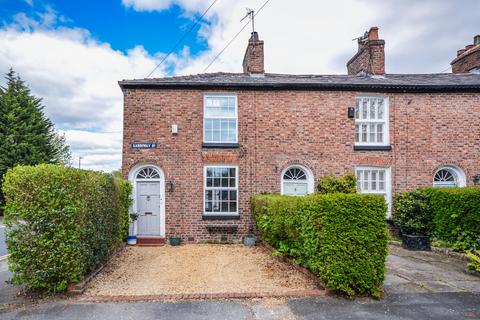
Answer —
278 128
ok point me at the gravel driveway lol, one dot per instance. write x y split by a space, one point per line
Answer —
197 269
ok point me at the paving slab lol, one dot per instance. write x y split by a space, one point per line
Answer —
416 271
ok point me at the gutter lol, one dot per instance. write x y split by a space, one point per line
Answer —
127 84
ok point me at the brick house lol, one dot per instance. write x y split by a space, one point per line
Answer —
196 147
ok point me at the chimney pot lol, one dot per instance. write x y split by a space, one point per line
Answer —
468 47
373 33
476 40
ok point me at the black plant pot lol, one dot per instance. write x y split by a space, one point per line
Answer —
421 243
175 241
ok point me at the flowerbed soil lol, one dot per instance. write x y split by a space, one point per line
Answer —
197 269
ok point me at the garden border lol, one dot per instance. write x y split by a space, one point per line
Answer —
79 288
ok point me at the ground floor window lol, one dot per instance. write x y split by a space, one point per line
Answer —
221 190
449 176
297 181
375 180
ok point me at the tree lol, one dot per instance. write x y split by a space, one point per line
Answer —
27 136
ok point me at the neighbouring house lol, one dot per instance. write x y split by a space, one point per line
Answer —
196 147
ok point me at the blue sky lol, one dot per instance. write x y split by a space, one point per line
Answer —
72 53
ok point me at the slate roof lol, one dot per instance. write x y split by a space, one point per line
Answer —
390 82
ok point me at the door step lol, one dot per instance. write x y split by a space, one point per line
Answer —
150 241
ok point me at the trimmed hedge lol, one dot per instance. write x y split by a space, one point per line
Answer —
62 223
454 217
341 238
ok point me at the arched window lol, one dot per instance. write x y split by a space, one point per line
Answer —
297 181
449 176
148 173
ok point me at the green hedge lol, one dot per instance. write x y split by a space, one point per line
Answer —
62 223
333 184
341 238
451 215
456 213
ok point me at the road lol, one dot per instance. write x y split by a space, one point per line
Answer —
425 306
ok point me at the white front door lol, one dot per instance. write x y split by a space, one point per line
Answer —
148 207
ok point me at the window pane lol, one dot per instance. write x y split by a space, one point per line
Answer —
209 182
357 133
208 206
232 172
380 108
374 180
366 178
364 133
208 195
233 195
372 133
233 207
379 132
209 172
216 182
364 108
372 108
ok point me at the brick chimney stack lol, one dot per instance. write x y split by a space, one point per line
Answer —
370 58
468 59
253 59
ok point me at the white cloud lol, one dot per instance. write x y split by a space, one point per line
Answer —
77 78
159 5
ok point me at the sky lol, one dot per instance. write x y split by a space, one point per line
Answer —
72 53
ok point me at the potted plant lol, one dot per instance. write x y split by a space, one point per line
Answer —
132 229
413 217
249 240
175 240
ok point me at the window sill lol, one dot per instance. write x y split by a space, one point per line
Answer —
220 145
372 148
220 217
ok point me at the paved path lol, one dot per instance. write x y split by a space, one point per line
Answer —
418 271
425 306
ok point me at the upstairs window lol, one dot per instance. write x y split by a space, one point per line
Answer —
371 121
220 119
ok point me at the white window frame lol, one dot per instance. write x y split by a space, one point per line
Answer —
220 95
458 174
205 188
388 185
309 181
386 122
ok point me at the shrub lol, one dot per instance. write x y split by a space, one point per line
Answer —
456 215
332 184
474 257
412 213
62 223
341 238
